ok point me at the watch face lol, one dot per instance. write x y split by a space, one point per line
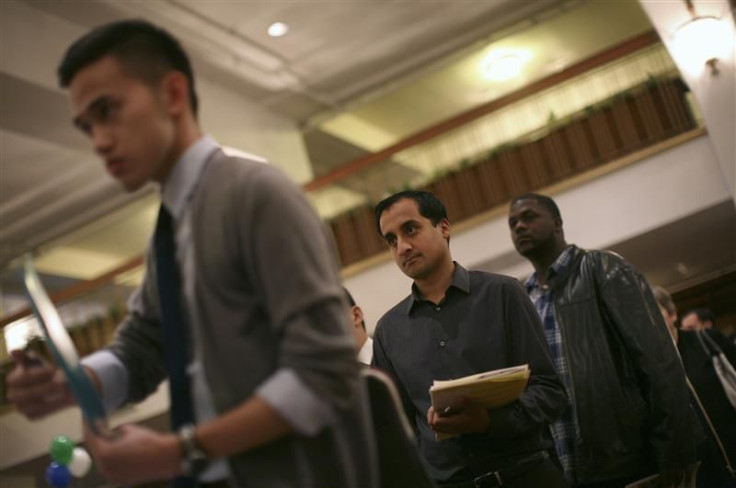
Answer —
194 459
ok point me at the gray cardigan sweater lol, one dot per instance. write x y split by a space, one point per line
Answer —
267 296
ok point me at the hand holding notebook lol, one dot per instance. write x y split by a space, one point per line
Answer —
491 389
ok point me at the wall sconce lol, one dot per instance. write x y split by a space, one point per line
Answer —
701 41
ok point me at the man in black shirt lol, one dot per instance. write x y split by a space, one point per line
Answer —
456 323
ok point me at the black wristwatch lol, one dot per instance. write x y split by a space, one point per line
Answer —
194 460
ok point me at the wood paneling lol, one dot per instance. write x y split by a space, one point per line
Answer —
624 124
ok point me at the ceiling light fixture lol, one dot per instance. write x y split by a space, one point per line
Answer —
504 64
278 29
701 41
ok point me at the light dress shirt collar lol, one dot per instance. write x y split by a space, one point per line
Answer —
365 355
179 186
460 280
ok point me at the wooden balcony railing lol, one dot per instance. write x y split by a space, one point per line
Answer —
637 118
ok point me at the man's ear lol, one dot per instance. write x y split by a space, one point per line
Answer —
175 86
444 226
357 315
558 223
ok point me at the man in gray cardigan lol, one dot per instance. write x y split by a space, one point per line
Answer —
268 361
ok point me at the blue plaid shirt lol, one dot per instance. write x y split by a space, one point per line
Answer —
563 430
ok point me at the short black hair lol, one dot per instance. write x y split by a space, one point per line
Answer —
348 297
430 207
142 48
703 314
352 303
543 200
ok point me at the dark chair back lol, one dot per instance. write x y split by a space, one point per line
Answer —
399 461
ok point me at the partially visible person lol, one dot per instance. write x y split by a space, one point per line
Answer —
705 319
711 403
456 323
698 319
668 309
629 415
363 342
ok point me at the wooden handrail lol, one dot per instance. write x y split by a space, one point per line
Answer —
78 289
627 47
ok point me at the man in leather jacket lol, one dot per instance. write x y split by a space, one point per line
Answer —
629 415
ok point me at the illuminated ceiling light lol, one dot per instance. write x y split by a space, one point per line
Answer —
701 41
504 64
278 29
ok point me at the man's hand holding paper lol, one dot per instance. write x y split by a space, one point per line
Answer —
459 406
465 417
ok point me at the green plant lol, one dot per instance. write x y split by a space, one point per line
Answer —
115 311
437 175
652 81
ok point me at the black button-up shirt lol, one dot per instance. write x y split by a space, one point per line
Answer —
485 322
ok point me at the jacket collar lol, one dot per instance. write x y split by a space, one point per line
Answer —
559 267
561 277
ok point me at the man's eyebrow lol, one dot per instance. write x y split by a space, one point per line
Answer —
402 226
96 103
409 222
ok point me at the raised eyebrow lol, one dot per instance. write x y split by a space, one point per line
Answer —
81 124
408 223
520 215
78 121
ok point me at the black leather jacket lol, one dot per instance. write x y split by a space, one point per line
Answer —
632 409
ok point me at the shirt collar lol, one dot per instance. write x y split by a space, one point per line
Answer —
365 355
460 280
562 262
181 182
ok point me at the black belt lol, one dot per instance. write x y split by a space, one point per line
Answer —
499 477
224 483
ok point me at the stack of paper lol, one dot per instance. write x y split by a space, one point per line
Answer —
491 389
